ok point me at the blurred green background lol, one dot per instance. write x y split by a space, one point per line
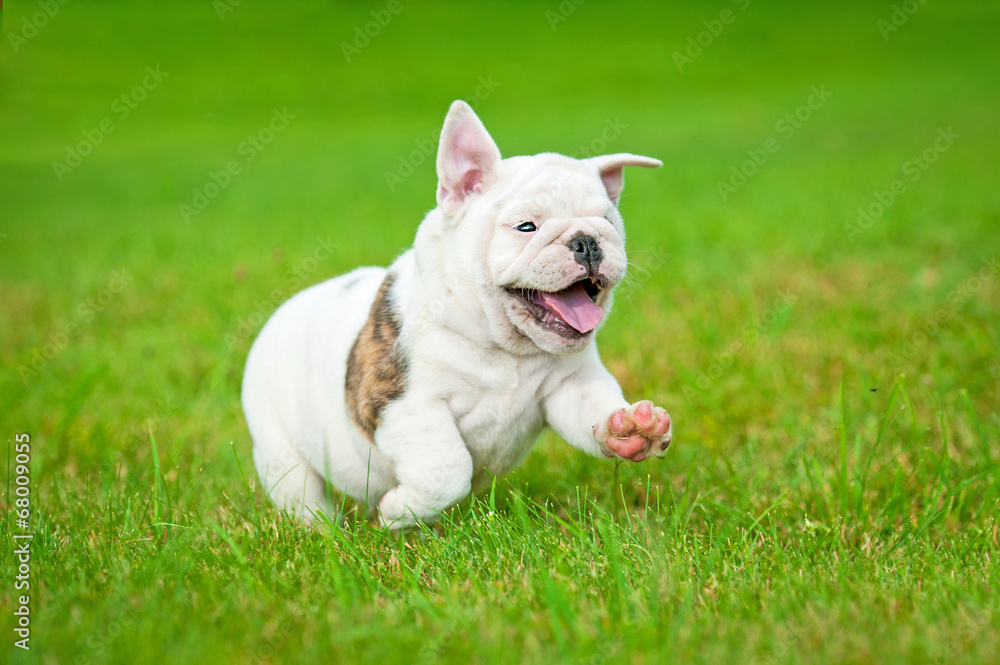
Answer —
125 312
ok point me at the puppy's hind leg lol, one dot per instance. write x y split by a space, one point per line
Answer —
291 483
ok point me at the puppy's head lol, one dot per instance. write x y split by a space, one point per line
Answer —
539 237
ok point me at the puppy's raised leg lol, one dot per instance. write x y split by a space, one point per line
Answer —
432 464
590 412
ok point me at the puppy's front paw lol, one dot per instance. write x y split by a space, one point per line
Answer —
635 432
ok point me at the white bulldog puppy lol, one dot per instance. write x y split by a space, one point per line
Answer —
407 388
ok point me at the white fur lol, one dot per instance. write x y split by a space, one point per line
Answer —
482 379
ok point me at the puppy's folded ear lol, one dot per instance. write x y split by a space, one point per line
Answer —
611 167
467 157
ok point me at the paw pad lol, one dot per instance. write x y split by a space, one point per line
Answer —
636 432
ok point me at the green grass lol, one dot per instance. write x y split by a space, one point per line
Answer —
832 494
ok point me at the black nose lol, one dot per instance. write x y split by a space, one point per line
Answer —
586 252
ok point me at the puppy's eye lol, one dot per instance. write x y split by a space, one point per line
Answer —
526 227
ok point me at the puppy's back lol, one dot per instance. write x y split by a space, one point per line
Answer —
293 385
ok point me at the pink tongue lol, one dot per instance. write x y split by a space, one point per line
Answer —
575 307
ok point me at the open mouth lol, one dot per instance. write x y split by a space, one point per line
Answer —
572 312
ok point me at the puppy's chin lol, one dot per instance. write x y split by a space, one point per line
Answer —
537 316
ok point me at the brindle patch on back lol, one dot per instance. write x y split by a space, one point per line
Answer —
376 374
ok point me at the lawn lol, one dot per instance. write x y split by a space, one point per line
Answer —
814 296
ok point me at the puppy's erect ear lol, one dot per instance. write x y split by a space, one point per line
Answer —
610 168
467 157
